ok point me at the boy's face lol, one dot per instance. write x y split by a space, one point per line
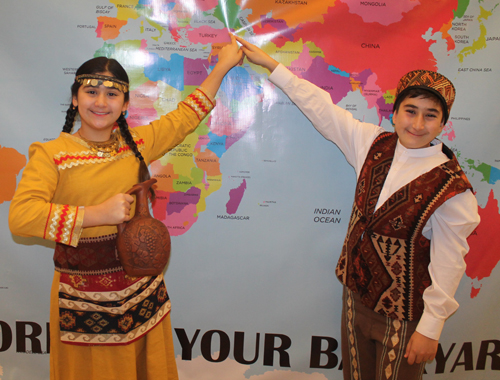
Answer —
418 121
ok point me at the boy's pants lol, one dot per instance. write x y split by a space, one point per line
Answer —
373 346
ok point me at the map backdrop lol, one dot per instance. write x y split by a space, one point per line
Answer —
256 200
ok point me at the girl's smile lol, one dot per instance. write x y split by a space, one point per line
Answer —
99 108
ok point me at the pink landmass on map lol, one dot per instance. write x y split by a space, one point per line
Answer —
276 29
206 5
140 116
202 140
207 35
178 201
337 86
384 12
221 123
180 223
235 197
195 71
390 51
449 132
233 125
303 63
484 254
371 92
177 210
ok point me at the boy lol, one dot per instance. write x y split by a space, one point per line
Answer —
402 258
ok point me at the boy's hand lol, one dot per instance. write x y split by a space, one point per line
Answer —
420 349
256 55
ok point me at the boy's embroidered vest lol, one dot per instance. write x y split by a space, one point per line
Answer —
385 257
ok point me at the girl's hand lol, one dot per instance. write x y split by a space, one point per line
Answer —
230 55
256 55
113 211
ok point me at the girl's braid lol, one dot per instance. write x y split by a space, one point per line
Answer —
70 119
143 169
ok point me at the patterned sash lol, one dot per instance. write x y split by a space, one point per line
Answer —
98 303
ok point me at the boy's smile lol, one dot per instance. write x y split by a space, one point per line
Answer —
418 121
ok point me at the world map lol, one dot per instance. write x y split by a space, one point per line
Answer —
356 51
176 47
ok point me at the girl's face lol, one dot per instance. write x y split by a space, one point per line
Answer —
99 108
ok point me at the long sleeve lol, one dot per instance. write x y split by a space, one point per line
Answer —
32 212
170 130
64 176
448 229
353 137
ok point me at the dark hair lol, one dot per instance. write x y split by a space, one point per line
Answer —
101 65
416 92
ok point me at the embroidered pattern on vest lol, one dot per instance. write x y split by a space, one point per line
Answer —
385 256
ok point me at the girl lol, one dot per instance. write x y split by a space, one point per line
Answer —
103 323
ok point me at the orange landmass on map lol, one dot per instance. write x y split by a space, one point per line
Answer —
446 36
292 13
208 162
164 174
108 28
11 163
217 46
390 51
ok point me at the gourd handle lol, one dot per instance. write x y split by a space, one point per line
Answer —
137 189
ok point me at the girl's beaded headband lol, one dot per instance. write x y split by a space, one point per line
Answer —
96 80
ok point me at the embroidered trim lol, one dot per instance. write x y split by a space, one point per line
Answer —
98 239
66 160
351 333
199 103
111 339
61 223
113 317
101 272
77 297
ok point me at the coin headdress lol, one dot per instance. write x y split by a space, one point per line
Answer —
96 80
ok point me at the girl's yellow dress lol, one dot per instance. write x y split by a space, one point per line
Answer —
103 324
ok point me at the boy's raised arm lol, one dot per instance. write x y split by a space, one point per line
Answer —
256 55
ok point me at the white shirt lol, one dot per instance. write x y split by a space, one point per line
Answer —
448 227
